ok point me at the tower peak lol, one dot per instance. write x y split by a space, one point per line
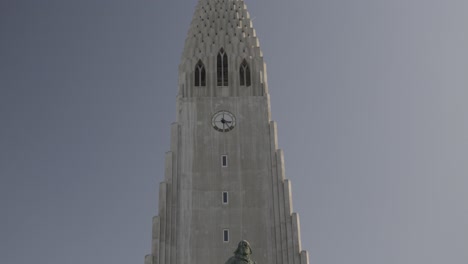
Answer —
217 24
221 25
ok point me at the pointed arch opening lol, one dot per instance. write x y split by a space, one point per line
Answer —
222 68
244 74
200 74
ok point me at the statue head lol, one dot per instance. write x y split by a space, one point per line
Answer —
243 248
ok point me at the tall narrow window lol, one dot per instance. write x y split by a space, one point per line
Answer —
200 74
225 198
244 73
222 68
226 235
224 162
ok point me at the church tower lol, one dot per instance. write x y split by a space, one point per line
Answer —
224 174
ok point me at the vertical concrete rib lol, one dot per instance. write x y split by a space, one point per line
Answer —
282 206
162 221
169 223
274 178
149 259
175 132
296 232
287 215
304 257
168 167
169 180
155 237
174 136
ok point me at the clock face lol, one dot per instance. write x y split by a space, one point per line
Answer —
223 121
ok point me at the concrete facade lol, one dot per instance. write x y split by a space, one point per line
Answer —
194 213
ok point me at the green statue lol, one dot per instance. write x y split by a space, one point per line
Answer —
242 254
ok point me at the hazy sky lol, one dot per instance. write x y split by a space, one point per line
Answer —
370 96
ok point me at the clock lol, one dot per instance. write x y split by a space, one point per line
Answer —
223 121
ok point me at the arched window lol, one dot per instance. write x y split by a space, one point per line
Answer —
244 73
200 74
222 68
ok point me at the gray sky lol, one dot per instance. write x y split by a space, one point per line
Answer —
370 97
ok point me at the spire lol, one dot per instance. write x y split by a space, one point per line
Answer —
222 25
